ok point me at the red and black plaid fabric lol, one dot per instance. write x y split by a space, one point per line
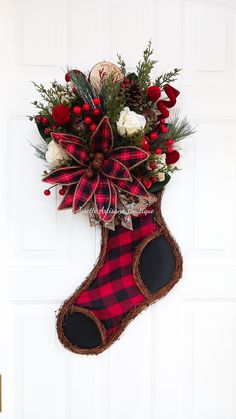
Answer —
129 156
77 151
68 200
84 191
101 195
64 175
113 293
115 170
133 187
102 138
58 136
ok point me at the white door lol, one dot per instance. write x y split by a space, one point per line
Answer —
177 360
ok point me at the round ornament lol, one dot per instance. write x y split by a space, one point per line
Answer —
101 71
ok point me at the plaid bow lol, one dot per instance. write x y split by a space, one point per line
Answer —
114 173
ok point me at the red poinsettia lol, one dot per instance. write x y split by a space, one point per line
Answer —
98 171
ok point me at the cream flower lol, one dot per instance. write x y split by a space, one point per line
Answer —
130 122
55 153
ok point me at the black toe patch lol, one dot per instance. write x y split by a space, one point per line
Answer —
81 331
157 264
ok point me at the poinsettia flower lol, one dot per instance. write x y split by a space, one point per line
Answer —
99 171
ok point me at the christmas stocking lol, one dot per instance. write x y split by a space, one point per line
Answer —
135 268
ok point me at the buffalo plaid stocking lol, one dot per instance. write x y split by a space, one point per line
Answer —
135 268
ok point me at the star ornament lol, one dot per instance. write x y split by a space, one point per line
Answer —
98 173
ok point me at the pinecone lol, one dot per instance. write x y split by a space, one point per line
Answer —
134 96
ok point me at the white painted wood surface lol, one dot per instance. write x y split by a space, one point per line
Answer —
177 360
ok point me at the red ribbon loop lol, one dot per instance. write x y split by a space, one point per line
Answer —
162 105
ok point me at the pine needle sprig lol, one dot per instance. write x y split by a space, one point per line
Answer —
167 77
40 150
83 87
145 67
179 128
121 64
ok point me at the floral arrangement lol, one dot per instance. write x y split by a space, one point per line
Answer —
108 139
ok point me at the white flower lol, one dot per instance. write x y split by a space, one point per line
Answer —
130 122
55 153
161 160
161 176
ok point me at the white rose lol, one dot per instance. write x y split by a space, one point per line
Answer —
55 153
130 122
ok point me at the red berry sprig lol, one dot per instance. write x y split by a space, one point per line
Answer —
93 127
144 143
96 101
87 120
153 135
77 109
86 107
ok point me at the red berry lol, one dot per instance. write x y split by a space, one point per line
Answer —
77 109
153 136
96 112
93 127
38 119
147 183
170 142
96 101
86 106
62 191
54 127
173 157
47 192
126 81
169 149
153 93
47 131
153 179
162 120
144 143
122 85
67 77
44 120
152 165
158 151
74 90
87 120
163 128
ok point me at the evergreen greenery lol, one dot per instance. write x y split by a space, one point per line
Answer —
167 77
145 67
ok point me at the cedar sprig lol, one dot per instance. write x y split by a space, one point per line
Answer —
145 67
53 95
112 98
121 64
167 77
